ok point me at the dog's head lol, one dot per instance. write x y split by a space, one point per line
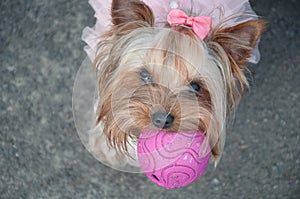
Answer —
167 78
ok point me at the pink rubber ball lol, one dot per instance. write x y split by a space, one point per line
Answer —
173 160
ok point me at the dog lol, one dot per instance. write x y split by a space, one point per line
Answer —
171 66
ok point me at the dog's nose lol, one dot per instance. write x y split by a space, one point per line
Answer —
162 120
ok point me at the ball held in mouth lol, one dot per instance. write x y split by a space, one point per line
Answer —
173 160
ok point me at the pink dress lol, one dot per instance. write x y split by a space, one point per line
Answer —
217 9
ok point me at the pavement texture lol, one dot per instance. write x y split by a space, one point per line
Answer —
41 155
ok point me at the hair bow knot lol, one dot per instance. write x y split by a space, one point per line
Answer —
200 25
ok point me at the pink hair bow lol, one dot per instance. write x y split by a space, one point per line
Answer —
200 25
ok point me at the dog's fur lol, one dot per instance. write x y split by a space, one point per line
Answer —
172 58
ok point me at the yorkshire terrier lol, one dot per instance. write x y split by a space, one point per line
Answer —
176 66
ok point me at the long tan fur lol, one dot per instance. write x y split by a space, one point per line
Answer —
174 57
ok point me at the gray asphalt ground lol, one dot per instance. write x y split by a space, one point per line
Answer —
41 155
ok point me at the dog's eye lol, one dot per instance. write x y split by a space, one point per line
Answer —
145 76
195 86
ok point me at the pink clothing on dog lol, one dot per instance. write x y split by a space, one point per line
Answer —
237 10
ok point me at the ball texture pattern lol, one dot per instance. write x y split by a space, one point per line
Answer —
173 160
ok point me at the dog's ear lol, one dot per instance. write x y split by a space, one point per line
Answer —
238 43
127 11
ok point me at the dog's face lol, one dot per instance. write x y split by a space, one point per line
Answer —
155 78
